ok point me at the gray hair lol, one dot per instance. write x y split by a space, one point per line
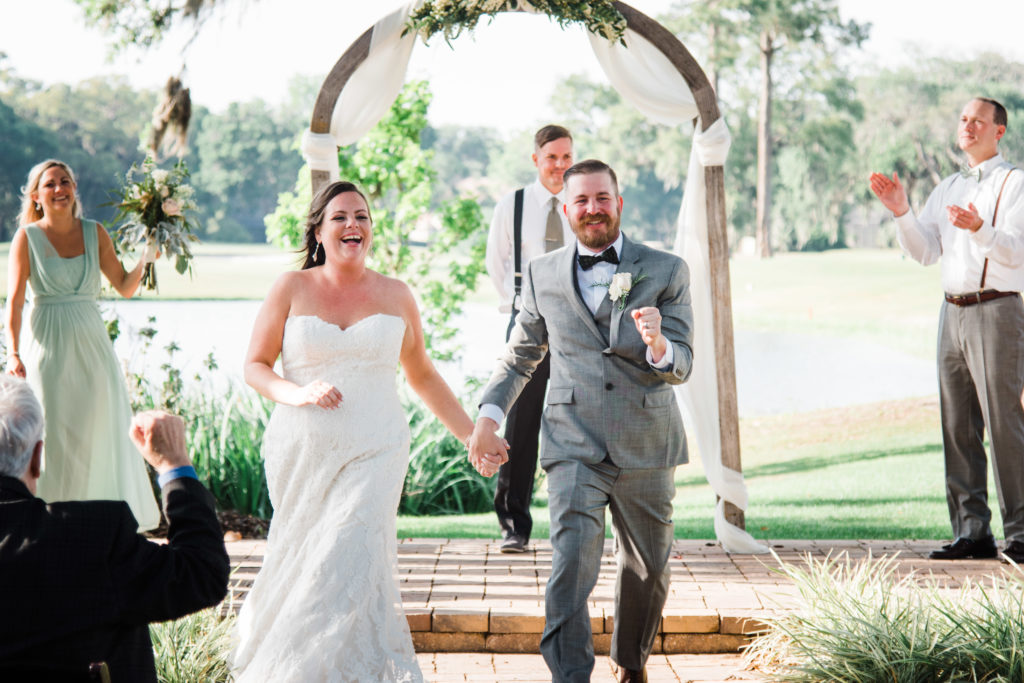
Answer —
21 425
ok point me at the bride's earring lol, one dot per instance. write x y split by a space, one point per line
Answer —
316 250
38 207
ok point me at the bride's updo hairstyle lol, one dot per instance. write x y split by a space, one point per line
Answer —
317 208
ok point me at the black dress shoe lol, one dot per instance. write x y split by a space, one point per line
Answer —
632 676
964 548
513 543
1015 551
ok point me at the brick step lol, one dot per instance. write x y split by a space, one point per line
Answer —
445 630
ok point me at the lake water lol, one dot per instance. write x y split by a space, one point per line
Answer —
776 373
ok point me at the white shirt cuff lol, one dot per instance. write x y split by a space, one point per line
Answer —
985 236
492 411
666 360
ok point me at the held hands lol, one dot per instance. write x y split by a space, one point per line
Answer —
648 324
160 437
487 451
890 192
318 393
965 219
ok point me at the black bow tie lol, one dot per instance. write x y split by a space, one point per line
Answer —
609 255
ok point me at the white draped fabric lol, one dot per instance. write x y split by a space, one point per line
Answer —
645 78
699 396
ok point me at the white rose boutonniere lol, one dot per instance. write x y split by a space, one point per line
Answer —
620 287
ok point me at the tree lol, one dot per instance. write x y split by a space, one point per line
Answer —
95 126
143 22
245 158
774 30
462 160
22 145
392 167
649 159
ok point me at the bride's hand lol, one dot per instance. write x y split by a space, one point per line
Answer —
318 393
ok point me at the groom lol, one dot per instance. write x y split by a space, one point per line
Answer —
611 432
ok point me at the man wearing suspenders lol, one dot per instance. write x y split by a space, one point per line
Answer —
974 221
527 222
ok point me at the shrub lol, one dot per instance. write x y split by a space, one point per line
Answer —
224 437
193 648
440 480
859 622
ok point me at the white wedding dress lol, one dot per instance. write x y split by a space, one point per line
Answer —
326 605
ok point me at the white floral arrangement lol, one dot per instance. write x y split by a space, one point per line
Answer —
452 17
620 286
154 212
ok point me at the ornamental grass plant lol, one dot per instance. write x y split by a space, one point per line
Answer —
224 437
194 648
860 622
440 480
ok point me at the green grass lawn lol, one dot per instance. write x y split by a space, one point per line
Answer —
866 472
873 295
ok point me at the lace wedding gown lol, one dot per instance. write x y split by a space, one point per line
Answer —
326 605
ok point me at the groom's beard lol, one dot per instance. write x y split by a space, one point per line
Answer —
593 238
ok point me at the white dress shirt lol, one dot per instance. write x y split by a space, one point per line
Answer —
927 237
500 259
601 272
592 295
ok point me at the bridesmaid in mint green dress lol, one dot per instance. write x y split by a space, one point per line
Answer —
68 358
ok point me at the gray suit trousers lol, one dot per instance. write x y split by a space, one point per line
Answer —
981 378
641 508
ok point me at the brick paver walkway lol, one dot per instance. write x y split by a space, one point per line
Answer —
477 615
463 595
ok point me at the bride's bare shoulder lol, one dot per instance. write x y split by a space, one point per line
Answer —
391 285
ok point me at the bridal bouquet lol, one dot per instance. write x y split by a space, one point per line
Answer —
153 211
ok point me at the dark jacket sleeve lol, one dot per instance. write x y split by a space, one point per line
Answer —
156 582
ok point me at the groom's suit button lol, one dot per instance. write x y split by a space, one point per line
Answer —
609 386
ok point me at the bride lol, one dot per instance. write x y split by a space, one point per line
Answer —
326 605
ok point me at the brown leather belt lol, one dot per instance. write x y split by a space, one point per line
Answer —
977 297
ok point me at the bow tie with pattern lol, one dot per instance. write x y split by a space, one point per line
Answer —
609 255
968 172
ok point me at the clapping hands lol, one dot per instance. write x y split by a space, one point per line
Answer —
890 192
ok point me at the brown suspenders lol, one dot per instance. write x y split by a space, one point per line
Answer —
995 212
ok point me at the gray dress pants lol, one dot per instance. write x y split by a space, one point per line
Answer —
981 379
641 507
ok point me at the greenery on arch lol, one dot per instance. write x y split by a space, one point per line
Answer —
452 17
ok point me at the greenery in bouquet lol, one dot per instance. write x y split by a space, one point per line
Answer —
451 17
155 208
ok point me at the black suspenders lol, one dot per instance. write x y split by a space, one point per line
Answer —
517 239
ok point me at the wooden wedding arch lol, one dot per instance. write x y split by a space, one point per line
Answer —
714 181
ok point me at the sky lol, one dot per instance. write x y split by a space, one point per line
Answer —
502 76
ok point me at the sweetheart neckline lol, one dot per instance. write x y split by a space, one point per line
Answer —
339 327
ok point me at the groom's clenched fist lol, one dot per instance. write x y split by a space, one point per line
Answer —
648 324
487 450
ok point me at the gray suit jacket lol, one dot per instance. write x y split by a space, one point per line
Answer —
603 398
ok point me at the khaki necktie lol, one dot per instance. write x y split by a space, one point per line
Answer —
553 235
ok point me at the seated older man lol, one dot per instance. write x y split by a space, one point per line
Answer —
78 584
